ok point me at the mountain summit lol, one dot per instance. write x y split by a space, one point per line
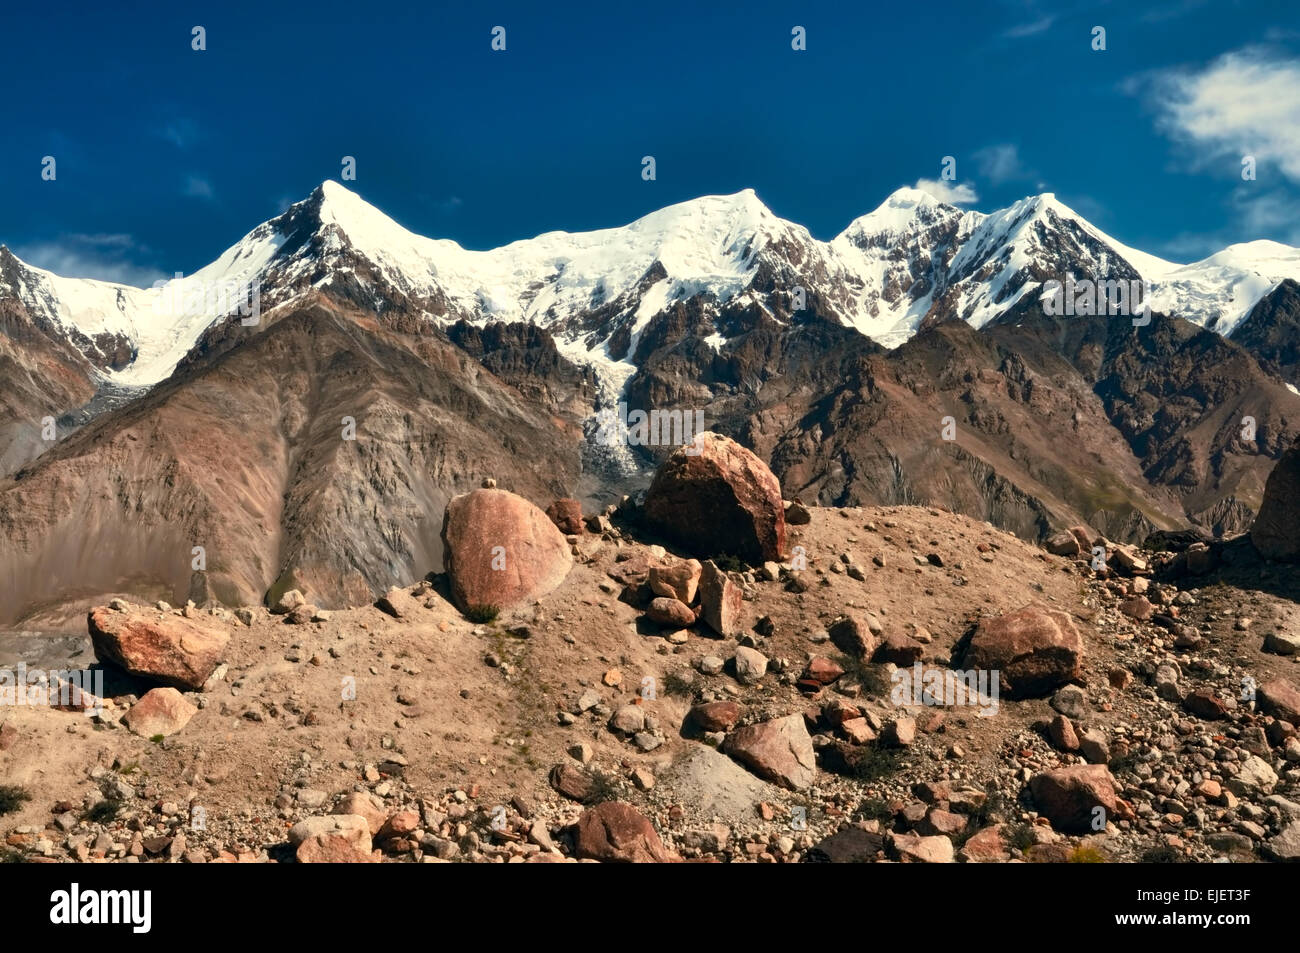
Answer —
208 416
910 263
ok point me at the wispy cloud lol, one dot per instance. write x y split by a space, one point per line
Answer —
1000 163
1254 211
1162 12
954 193
106 257
182 133
1030 28
1244 103
196 186
1268 212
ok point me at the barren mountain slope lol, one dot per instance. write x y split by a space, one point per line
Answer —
247 457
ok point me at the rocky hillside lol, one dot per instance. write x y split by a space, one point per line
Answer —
896 683
454 363
319 454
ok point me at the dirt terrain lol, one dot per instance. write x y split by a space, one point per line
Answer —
460 722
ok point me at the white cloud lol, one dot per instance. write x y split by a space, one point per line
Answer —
1244 103
953 193
1267 212
1000 163
182 133
1031 28
198 187
105 257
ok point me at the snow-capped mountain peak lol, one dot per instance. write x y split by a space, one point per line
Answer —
912 260
903 212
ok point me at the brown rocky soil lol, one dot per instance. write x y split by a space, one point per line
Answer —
456 727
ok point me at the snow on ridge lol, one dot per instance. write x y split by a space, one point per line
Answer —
711 245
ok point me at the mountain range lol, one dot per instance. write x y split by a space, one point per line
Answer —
179 422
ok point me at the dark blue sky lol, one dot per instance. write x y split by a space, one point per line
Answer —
166 156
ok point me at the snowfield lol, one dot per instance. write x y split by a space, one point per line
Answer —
884 272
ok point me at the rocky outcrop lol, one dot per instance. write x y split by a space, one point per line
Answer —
721 600
779 751
615 832
567 516
1035 650
716 498
332 839
160 646
1078 799
1276 530
501 550
162 711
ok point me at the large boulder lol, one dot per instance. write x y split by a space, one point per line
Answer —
680 580
501 550
670 612
398 603
331 849
567 516
721 601
856 634
918 849
162 711
1276 530
779 751
716 716
619 833
1280 699
353 827
1069 797
332 839
716 498
848 845
1035 650
364 804
166 648
1063 543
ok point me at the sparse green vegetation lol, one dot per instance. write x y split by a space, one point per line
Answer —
990 812
604 787
1085 855
482 614
873 763
677 686
103 812
1164 854
1020 837
875 809
12 797
729 563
